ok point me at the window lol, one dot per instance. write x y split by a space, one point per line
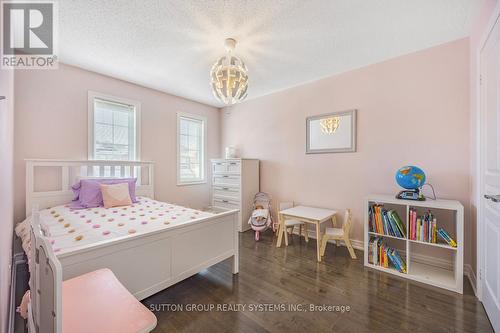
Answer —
113 128
191 143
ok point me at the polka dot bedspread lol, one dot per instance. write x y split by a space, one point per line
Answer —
68 229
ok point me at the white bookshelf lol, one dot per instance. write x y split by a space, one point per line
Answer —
438 264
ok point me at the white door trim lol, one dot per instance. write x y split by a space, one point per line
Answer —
495 17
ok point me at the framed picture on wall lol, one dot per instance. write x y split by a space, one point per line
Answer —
331 133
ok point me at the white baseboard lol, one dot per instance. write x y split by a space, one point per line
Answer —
433 261
441 263
469 272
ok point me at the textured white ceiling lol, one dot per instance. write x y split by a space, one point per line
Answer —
171 45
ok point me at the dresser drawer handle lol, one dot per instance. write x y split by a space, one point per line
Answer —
233 163
225 201
225 188
225 176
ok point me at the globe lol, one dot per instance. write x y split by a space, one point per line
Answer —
410 177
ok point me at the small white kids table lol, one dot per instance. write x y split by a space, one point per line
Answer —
306 214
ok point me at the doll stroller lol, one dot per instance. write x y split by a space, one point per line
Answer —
261 219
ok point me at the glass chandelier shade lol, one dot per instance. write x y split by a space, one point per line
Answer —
229 77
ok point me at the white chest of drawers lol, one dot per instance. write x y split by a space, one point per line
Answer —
234 184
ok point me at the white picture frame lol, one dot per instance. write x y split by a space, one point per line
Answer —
333 132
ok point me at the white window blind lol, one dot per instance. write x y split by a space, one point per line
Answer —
191 149
114 130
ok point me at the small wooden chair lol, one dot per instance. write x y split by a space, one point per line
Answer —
339 234
290 224
93 302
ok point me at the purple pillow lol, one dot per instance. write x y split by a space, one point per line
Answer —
88 193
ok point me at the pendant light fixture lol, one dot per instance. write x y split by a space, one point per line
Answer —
229 78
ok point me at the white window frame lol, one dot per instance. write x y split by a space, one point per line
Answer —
92 95
204 152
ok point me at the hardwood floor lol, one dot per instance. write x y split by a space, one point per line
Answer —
281 277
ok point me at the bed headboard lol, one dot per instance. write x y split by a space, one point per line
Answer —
48 182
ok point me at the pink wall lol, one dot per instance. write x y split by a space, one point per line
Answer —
412 109
6 190
480 29
51 122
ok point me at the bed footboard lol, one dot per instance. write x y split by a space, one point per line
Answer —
147 264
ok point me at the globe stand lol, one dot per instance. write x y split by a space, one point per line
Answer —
410 195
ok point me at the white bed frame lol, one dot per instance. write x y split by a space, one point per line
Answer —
145 263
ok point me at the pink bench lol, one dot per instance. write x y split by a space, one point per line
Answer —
94 302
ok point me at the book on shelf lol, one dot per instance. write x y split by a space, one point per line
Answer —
444 235
399 223
396 260
370 218
385 222
379 254
424 228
